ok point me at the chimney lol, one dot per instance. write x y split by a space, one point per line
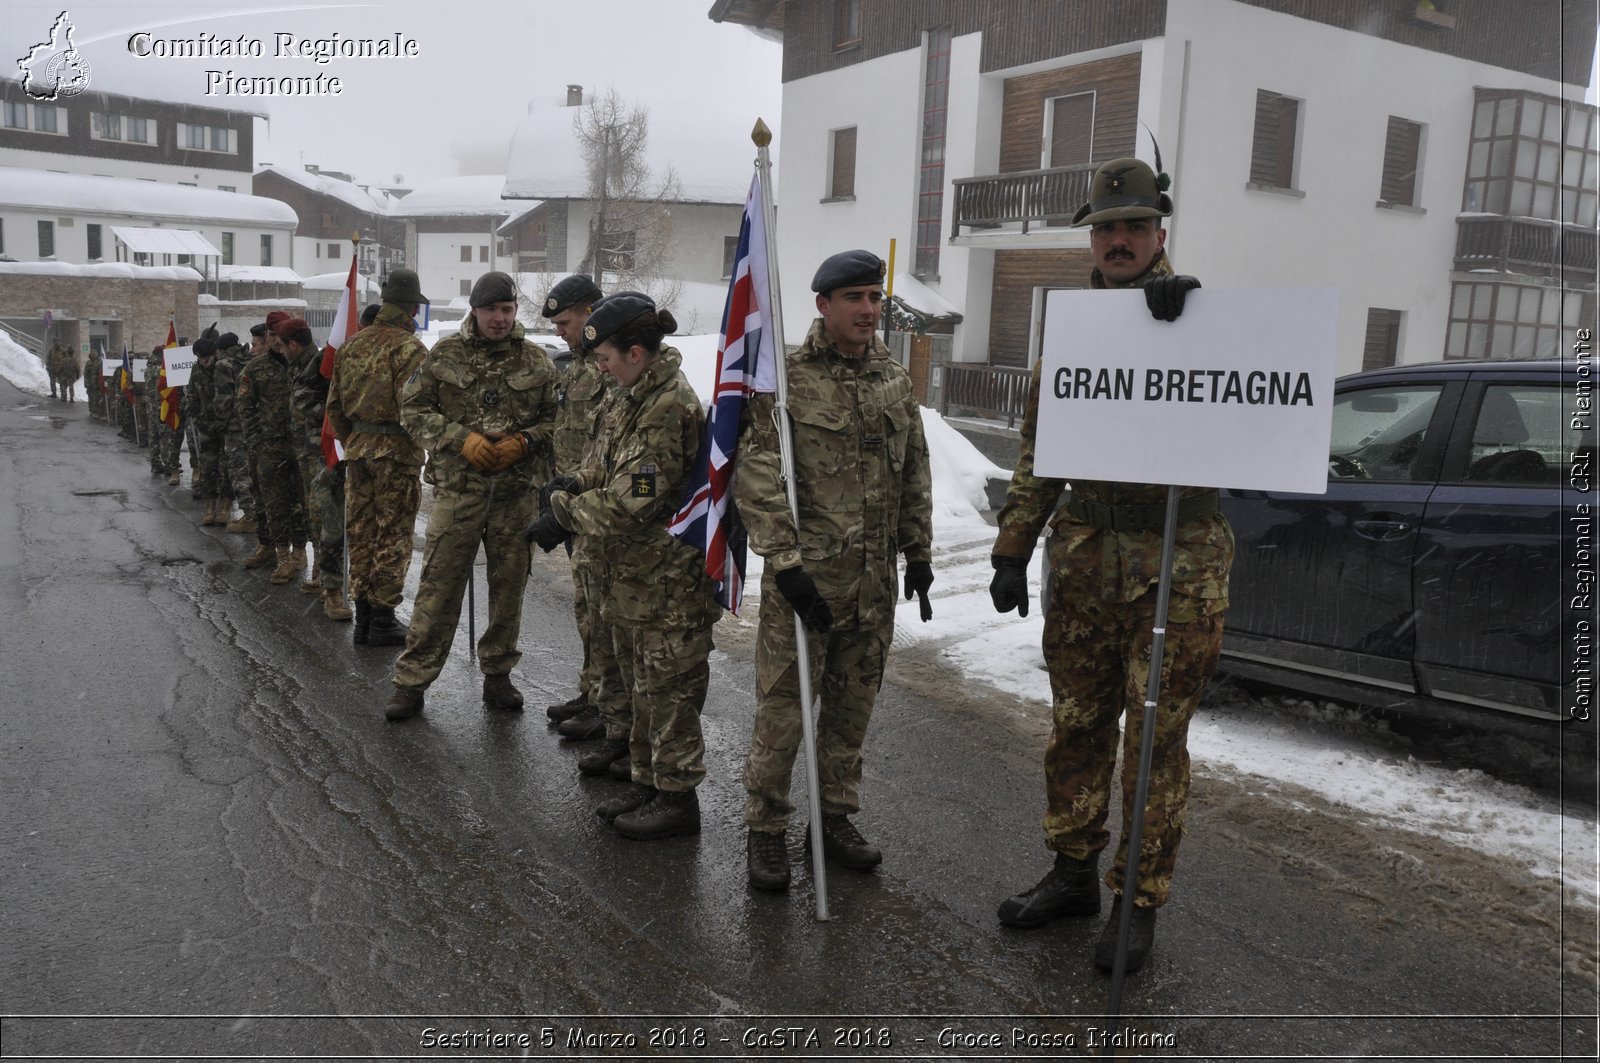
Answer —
574 95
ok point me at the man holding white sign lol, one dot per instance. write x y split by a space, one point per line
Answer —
1105 555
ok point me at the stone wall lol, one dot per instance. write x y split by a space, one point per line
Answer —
135 304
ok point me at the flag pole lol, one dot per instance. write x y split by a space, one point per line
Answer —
762 136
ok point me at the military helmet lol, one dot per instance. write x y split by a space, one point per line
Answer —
1124 189
403 288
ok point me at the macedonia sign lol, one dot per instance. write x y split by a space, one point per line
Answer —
1238 392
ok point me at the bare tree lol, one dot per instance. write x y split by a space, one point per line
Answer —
631 226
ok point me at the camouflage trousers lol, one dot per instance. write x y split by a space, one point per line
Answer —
1098 653
601 680
282 498
212 481
97 399
665 670
166 447
130 418
311 466
461 521
383 497
846 672
327 497
242 476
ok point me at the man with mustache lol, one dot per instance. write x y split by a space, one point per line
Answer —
1105 554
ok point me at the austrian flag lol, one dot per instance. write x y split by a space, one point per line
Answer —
346 323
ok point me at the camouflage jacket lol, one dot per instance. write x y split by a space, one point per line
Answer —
632 482
200 402
1125 564
263 400
862 476
468 384
92 373
62 364
230 364
369 372
583 389
152 374
308 394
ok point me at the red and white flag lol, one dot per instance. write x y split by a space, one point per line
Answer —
346 323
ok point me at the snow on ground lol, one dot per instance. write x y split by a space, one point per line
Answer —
22 368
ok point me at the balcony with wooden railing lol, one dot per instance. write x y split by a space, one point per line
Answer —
1527 246
992 392
1029 197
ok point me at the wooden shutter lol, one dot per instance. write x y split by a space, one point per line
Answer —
844 163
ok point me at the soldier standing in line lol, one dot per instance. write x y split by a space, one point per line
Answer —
865 493
166 442
660 604
263 399
1105 555
324 483
482 403
131 410
63 369
231 359
384 463
583 389
92 376
201 412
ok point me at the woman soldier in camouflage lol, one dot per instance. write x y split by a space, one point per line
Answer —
660 604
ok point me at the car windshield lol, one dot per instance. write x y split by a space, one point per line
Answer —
1380 430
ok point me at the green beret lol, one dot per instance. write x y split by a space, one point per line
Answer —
848 269
493 287
612 312
570 292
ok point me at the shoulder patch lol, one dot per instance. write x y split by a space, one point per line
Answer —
644 482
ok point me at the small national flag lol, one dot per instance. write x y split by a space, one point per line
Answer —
170 397
127 375
346 323
746 364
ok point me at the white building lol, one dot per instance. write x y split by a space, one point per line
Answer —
451 237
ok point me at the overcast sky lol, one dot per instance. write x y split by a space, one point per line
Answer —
453 108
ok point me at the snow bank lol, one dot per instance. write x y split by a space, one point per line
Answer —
22 368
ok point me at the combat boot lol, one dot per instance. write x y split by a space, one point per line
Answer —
210 516
219 515
287 569
313 582
841 842
363 622
499 695
175 479
384 629
1141 938
403 704
767 860
567 709
298 553
667 815
333 606
263 557
635 796
598 761
585 725
243 524
1071 887
621 768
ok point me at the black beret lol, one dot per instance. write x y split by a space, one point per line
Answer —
227 339
848 269
569 292
205 347
493 287
258 330
612 312
370 314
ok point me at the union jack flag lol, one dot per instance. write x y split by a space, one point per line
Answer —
746 365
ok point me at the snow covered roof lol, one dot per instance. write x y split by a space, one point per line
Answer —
474 194
86 194
329 282
259 274
506 225
165 241
922 298
354 195
707 142
102 269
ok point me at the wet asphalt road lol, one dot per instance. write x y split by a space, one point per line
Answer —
211 837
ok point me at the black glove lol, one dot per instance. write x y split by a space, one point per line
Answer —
551 486
546 531
1164 295
800 589
1009 588
919 577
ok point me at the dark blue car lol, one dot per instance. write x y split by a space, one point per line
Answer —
1450 564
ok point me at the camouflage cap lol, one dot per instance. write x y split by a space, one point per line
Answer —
612 312
1124 189
493 287
569 292
403 288
848 269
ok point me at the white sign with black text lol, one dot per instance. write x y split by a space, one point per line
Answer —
1238 392
109 366
180 362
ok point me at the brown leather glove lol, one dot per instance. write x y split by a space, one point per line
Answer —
512 449
480 450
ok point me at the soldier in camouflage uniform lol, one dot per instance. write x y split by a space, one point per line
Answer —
263 402
166 443
130 404
62 365
323 483
659 603
482 403
583 389
866 496
1105 556
202 415
240 471
92 376
383 463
